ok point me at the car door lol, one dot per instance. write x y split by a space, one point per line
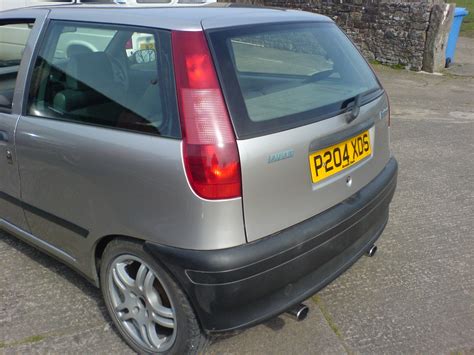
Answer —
19 32
94 159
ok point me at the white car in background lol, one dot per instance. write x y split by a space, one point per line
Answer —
13 4
13 37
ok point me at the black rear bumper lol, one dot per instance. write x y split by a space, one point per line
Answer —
245 285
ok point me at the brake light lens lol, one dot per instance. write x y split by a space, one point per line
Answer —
210 153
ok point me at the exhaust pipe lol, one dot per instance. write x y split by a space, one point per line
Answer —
298 312
371 252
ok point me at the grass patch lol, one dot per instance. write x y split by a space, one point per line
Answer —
375 63
397 66
24 341
327 316
32 339
467 28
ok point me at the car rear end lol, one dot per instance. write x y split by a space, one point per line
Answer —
279 111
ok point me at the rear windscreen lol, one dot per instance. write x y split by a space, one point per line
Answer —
277 77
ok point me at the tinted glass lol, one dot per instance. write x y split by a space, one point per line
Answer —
95 39
279 77
113 76
13 40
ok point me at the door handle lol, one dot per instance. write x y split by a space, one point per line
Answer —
9 155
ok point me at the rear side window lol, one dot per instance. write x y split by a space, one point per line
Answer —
277 77
72 38
13 39
112 76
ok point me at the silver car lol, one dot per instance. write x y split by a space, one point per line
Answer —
208 168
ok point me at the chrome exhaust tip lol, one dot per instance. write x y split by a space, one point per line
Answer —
371 252
298 312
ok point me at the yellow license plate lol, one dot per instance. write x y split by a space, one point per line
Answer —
331 160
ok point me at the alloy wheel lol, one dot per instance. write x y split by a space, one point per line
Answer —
142 304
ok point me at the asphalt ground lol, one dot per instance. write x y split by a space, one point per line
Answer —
415 296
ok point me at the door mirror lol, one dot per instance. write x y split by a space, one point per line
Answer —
143 56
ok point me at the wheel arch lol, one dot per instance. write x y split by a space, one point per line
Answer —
98 251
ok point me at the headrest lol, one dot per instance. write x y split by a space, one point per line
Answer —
93 70
76 49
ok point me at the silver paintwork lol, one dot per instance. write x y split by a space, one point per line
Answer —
113 182
250 16
138 305
184 18
9 177
281 194
37 242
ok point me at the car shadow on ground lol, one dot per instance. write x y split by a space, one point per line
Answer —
75 279
68 274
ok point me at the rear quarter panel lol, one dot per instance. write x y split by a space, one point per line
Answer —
112 182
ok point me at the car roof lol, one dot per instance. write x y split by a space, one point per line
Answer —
218 15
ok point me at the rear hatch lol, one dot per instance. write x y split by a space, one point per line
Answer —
311 118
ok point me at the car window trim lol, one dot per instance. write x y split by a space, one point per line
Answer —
38 18
40 43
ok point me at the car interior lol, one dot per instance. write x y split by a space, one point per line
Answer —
105 88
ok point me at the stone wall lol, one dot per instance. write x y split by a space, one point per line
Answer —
404 33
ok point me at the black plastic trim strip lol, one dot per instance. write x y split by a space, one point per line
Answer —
287 256
337 137
45 215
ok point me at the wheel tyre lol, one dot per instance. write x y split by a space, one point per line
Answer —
189 338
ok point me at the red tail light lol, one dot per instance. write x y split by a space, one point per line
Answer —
210 153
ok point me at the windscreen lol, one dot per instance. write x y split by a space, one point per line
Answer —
277 77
